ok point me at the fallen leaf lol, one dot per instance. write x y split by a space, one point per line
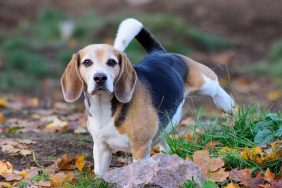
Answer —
65 162
219 175
212 144
273 95
80 162
3 103
13 177
23 174
16 146
57 125
58 179
211 168
2 118
5 185
269 176
232 185
245 177
253 154
5 167
25 152
69 176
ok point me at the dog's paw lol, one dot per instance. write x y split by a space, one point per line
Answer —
224 101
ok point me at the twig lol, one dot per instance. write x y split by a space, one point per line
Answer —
34 159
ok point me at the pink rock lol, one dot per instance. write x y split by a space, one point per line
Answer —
167 171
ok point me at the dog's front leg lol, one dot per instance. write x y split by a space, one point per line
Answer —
141 151
102 158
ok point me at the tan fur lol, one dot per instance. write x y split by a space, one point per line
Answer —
195 79
141 123
71 81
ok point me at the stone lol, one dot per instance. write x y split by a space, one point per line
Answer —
160 170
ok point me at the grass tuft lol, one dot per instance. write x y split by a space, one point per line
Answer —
236 134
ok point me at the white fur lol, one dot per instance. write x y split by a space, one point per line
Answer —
175 118
127 30
107 139
221 99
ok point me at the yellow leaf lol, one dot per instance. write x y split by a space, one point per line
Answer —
2 118
232 185
57 123
34 102
3 103
23 174
225 150
253 154
80 162
5 168
5 185
273 95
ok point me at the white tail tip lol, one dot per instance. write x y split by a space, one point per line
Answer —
127 30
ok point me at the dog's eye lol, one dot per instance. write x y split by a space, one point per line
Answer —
87 63
111 62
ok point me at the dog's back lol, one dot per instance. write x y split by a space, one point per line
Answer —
164 74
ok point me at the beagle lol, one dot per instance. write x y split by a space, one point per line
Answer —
129 105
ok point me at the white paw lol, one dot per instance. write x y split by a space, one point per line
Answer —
224 101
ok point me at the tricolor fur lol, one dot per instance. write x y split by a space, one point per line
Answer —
129 106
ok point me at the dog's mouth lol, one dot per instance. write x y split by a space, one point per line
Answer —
100 90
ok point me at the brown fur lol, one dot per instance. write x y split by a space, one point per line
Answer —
195 80
71 81
126 80
141 122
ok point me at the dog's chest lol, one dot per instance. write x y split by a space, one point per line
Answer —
102 128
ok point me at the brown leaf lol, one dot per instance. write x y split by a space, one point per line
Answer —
66 162
25 152
211 168
219 175
80 162
58 179
2 118
245 177
69 176
212 144
269 176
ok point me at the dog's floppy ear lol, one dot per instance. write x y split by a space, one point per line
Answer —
126 80
71 81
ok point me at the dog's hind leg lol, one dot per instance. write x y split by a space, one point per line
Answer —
202 80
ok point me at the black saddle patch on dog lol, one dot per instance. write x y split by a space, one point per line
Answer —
164 74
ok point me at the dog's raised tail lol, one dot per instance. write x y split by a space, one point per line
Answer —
131 28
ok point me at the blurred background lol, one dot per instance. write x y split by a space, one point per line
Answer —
241 40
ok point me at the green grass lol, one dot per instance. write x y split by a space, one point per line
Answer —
86 180
237 132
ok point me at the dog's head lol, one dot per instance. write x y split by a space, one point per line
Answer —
99 69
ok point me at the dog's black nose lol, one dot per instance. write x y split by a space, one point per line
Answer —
100 78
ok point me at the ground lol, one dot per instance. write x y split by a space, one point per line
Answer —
236 38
